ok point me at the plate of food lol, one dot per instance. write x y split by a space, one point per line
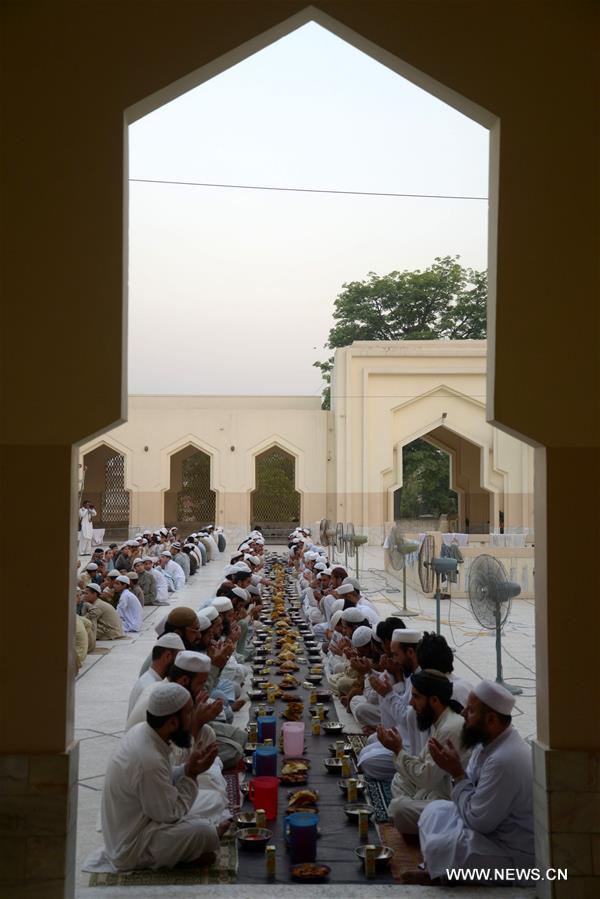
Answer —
294 771
310 872
314 678
256 694
302 798
254 837
293 711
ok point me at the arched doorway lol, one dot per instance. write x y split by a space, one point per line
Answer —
104 485
189 502
442 485
275 504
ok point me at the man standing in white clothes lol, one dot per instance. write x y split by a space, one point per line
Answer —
87 513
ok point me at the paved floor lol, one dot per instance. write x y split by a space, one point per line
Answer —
104 683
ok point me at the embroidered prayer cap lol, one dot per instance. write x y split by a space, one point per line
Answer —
194 662
320 566
167 699
91 566
241 566
123 579
166 553
335 618
353 582
229 569
254 560
241 593
223 604
345 589
171 641
209 612
176 545
139 561
183 616
494 695
362 635
404 635
94 587
113 573
353 615
203 622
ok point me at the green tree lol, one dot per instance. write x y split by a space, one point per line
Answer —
426 482
444 302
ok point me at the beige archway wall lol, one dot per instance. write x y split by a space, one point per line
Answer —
384 395
71 71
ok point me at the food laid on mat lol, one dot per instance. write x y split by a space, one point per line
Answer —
310 872
293 711
302 798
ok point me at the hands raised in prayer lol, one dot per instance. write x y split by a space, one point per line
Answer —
360 663
446 757
219 653
235 632
201 759
381 685
205 711
390 738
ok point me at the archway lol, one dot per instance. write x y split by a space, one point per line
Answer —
275 504
104 485
189 502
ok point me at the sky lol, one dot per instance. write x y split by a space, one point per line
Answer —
232 291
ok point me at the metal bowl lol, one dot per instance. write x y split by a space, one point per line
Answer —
333 727
314 678
360 784
254 838
323 696
354 808
268 712
256 694
332 749
246 819
383 857
334 766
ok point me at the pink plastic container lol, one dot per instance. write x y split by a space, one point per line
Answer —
293 737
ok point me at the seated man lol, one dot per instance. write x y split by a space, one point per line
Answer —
163 655
104 618
418 780
128 608
148 816
489 821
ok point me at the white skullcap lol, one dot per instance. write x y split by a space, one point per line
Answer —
93 587
139 560
147 559
337 605
253 589
229 569
171 641
204 622
209 612
113 573
166 553
241 566
167 699
327 571
353 581
353 615
335 618
495 696
163 531
320 566
133 575
404 635
361 636
194 662
91 566
254 560
223 604
344 589
123 579
241 593
311 556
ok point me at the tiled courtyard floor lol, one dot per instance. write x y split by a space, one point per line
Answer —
105 681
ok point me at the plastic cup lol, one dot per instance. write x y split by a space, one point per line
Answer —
302 837
293 737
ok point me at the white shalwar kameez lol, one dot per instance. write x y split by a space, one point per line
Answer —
87 531
130 612
148 679
148 814
162 585
374 759
489 822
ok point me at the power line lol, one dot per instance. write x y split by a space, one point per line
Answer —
306 190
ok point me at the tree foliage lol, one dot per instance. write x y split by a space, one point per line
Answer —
446 301
426 482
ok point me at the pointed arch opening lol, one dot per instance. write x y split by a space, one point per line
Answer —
190 502
275 504
103 484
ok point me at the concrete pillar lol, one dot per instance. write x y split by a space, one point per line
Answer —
567 749
38 758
